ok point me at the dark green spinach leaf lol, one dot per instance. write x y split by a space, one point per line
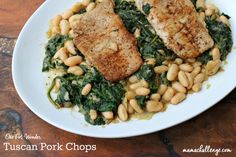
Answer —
146 8
205 57
53 45
104 96
222 35
147 73
141 101
194 2
98 121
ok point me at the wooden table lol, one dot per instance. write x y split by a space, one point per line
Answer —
215 127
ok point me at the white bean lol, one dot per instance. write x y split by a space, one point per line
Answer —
135 85
144 83
70 47
142 91
137 33
166 62
209 12
212 7
122 113
162 89
200 4
172 72
190 80
65 27
87 88
202 16
67 14
179 97
191 60
225 20
108 115
197 87
178 61
130 109
183 79
135 106
186 67
151 61
56 21
197 64
179 87
133 79
216 53
195 71
199 78
55 30
57 85
72 61
154 106
212 67
90 7
72 34
76 70
93 114
61 54
155 97
73 20
161 69
168 94
129 95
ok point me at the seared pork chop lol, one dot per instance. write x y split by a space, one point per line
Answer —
179 26
105 42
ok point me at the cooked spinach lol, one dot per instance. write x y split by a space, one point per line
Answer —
162 79
205 57
146 8
98 121
61 95
194 2
147 73
141 101
52 46
149 44
104 96
221 34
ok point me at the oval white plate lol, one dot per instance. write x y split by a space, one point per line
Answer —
30 82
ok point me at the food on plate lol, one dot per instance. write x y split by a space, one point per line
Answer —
119 59
177 23
103 39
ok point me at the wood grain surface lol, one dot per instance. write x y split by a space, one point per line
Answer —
215 127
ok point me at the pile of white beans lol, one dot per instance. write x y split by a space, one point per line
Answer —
211 10
186 76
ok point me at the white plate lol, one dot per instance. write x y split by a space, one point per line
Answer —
30 82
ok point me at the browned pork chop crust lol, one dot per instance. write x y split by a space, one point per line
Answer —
179 26
105 42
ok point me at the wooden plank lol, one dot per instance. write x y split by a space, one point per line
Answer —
14 14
